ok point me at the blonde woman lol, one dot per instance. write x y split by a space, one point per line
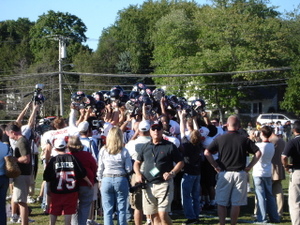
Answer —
114 164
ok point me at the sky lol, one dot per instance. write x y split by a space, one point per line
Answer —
95 14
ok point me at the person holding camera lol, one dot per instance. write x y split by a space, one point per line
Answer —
159 157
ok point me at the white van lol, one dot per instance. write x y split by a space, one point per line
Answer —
274 117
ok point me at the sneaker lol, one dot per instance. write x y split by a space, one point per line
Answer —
30 200
148 222
190 221
29 220
92 222
14 219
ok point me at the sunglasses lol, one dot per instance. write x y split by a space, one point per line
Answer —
156 128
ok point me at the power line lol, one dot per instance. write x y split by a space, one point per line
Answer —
182 75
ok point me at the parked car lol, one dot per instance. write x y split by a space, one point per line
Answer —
274 117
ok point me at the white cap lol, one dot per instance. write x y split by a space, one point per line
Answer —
83 126
60 143
204 131
106 128
144 125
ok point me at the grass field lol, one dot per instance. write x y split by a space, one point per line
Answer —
206 217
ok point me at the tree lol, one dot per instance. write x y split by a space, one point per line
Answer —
51 25
232 36
15 58
15 54
292 25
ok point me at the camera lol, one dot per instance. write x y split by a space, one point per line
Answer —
38 97
97 123
137 187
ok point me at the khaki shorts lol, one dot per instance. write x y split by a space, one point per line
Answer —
136 198
158 197
231 188
21 188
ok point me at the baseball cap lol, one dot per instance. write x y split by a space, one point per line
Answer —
106 128
157 124
60 144
144 125
83 126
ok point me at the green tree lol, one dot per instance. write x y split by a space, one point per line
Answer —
48 28
231 36
15 54
15 58
292 25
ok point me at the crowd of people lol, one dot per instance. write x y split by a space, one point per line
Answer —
136 158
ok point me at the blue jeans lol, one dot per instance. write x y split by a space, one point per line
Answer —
85 200
190 195
266 202
114 192
4 181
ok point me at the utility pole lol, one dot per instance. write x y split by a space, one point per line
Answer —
62 54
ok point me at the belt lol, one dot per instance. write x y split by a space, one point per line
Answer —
114 175
232 170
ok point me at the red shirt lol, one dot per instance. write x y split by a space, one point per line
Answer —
89 163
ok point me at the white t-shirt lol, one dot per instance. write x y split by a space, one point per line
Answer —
63 133
172 139
132 145
175 127
263 168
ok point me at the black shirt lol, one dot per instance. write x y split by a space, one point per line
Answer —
292 149
233 149
63 172
161 156
192 157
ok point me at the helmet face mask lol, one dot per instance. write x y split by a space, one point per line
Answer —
99 107
138 87
116 94
98 96
106 96
78 97
90 101
198 105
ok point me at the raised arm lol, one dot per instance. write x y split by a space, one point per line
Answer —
22 114
32 118
162 105
182 123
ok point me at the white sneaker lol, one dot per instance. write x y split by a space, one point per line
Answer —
30 200
14 219
29 220
91 222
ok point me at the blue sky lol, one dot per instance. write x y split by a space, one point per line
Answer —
96 14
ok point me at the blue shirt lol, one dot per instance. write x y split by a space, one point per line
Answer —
3 152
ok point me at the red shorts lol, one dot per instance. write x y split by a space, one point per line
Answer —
65 204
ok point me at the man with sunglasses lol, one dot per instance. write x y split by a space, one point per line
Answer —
158 156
